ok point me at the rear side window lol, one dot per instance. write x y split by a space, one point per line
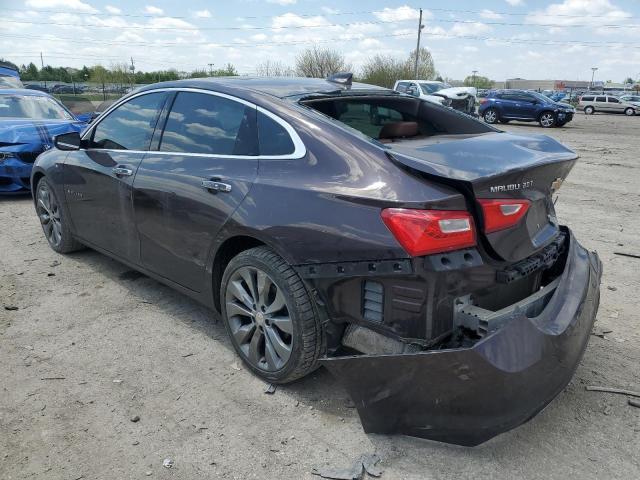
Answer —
209 124
601 99
587 99
130 126
273 139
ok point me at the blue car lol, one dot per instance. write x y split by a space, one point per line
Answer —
506 105
29 120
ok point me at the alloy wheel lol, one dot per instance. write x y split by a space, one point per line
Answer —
629 112
547 120
49 213
490 116
259 319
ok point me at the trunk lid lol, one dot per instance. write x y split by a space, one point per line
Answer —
497 166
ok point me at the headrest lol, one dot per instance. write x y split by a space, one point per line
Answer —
399 130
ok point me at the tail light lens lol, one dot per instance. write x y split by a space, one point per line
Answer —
424 232
502 214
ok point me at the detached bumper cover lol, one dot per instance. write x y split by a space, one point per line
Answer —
467 396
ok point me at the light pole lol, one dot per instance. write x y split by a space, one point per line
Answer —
474 78
211 69
415 66
593 72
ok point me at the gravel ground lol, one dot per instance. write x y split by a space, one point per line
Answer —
92 345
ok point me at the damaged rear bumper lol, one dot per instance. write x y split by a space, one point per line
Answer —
467 396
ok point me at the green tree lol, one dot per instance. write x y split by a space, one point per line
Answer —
426 67
384 70
320 63
29 72
478 81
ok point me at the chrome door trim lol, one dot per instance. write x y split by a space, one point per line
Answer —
299 151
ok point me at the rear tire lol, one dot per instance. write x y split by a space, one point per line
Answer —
547 119
589 110
54 224
270 317
490 116
629 111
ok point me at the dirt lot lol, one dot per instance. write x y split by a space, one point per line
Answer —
92 345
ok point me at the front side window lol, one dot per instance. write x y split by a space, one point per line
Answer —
130 126
209 124
272 137
32 106
613 100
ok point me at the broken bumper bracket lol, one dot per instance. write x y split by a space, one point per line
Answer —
467 396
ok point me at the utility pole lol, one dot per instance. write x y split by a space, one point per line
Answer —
42 63
133 72
474 78
420 27
593 72
211 69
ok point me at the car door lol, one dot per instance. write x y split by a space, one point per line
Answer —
186 188
508 105
99 177
614 105
601 104
527 106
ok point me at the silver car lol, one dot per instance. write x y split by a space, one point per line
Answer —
592 103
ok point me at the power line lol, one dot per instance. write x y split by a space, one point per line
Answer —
330 14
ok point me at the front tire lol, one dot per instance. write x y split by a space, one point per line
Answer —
54 224
490 116
270 317
547 119
629 111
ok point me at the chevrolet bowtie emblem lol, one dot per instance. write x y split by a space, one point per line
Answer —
556 184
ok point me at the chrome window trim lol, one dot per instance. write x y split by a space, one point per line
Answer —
299 150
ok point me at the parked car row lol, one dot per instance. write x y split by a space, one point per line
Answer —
628 104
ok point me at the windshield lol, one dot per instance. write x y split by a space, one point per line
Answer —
630 98
429 88
9 82
31 106
539 96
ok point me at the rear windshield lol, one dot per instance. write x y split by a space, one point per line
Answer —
395 118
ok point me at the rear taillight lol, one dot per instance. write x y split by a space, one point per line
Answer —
501 214
424 232
483 100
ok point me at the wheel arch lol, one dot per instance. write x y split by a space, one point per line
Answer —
230 247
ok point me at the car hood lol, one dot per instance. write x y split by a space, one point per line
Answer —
457 93
17 132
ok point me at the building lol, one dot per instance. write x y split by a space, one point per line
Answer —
523 84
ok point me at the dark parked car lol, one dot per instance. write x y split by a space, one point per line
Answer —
525 106
411 249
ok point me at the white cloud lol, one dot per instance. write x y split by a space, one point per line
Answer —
399 14
151 10
112 10
76 5
490 14
470 28
572 12
470 48
515 3
330 11
202 14
293 20
282 2
259 37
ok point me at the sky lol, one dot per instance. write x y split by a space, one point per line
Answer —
560 40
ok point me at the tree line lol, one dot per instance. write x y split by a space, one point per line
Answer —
382 70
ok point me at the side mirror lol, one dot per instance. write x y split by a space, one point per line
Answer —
413 91
67 141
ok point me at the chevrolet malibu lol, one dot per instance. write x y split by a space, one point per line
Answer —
411 249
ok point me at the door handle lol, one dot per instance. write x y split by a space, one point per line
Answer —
216 186
122 171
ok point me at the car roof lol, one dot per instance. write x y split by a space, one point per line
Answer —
280 87
23 91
